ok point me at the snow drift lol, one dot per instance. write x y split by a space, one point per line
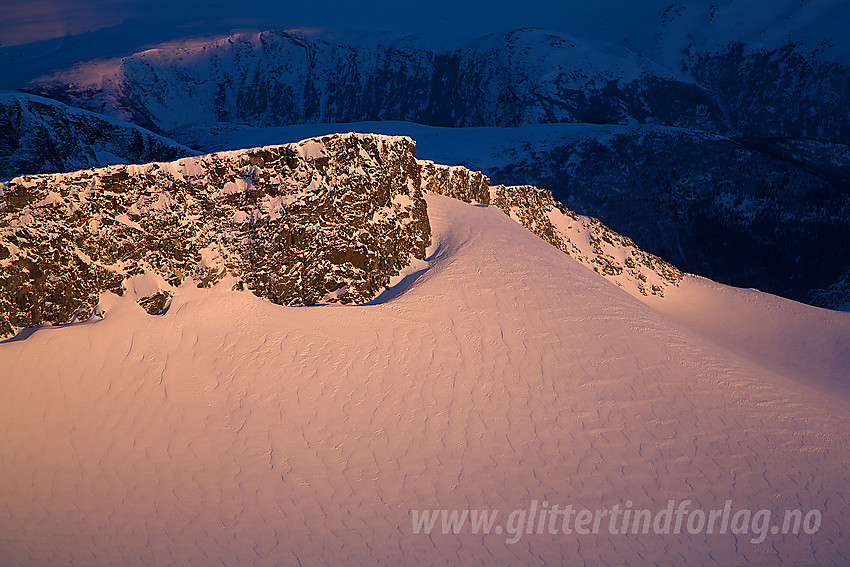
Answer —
235 431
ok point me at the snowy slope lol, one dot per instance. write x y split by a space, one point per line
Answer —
808 344
231 430
767 213
39 135
277 78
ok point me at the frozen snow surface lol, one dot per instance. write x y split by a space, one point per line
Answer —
227 430
233 431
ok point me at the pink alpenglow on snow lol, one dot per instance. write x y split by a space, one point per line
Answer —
498 373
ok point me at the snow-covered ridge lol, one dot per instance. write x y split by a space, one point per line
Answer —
587 240
276 78
584 238
324 220
329 219
39 135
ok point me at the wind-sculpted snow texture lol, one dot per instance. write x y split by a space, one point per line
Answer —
324 220
231 431
39 135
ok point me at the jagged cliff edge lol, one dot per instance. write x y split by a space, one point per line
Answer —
329 219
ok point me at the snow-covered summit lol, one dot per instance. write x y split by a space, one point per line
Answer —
237 431
329 219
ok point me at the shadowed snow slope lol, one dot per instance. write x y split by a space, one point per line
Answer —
808 344
39 135
238 432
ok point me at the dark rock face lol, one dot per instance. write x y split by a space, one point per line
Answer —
456 182
43 136
773 214
776 93
281 78
324 220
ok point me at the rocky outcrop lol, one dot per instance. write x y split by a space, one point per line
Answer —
529 206
456 182
585 239
39 135
324 220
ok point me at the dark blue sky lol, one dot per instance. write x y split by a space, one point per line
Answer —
26 21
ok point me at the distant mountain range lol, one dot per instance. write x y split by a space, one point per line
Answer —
39 135
722 151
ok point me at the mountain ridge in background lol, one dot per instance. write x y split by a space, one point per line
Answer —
286 340
729 161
